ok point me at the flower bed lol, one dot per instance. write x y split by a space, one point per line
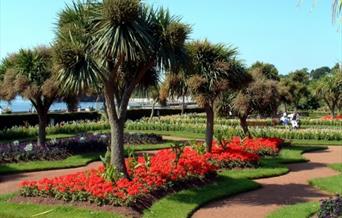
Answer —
260 146
329 117
63 148
162 171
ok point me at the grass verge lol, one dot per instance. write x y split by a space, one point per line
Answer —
229 182
331 184
12 210
302 210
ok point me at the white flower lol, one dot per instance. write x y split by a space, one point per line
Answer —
82 139
103 136
16 142
53 141
28 147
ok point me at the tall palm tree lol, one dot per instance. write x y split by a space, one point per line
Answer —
215 69
115 44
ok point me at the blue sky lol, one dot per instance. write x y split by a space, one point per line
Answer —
290 34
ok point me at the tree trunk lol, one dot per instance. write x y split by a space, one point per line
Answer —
244 126
43 119
285 107
152 109
117 157
332 111
183 105
209 128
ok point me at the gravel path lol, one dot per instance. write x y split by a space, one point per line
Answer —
277 191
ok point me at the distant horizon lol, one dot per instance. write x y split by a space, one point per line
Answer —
287 34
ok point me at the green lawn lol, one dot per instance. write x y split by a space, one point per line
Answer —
24 210
73 161
229 182
302 210
331 184
70 162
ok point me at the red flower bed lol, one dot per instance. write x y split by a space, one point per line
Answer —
329 117
165 168
261 146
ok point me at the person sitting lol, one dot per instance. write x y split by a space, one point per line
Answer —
284 120
294 120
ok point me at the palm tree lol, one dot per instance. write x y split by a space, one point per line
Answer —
115 44
31 75
214 70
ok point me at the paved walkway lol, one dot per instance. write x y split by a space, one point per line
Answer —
277 191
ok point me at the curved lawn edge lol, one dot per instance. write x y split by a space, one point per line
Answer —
13 210
332 184
184 203
229 182
301 210
304 210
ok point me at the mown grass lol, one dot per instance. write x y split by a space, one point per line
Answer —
302 210
229 182
331 184
24 210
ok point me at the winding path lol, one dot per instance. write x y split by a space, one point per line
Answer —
277 191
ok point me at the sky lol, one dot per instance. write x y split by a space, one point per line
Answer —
291 34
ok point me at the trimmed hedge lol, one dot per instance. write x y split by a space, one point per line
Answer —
12 120
29 119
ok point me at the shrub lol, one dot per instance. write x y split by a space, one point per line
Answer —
63 148
331 208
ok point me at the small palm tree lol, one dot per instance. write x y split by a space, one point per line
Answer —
214 70
30 73
113 45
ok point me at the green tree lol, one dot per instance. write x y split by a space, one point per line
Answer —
294 88
115 44
30 74
265 69
319 72
214 70
329 89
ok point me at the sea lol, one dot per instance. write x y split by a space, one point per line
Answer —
22 105
19 104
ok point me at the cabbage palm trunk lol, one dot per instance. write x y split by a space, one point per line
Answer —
209 132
